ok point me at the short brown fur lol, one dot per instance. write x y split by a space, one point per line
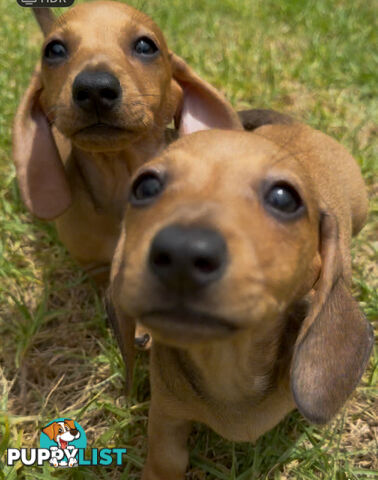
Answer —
285 331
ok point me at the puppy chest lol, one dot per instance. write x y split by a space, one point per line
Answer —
244 421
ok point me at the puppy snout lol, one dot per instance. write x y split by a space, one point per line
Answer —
186 259
96 91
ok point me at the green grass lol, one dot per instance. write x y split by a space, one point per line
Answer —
314 59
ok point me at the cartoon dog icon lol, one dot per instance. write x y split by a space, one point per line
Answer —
62 432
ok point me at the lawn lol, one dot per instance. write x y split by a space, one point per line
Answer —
315 59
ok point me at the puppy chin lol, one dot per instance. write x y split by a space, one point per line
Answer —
109 141
107 136
187 328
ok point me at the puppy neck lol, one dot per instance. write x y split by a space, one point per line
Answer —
106 175
241 370
238 369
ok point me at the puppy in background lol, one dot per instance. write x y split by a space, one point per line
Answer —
97 108
237 259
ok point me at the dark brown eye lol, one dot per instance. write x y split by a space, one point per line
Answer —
145 188
146 48
55 52
282 199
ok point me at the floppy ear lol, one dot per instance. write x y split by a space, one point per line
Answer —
45 19
70 423
202 106
49 431
40 172
335 340
124 331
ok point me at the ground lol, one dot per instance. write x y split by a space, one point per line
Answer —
314 59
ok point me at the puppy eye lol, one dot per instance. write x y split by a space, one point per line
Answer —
60 430
145 188
55 52
284 200
145 48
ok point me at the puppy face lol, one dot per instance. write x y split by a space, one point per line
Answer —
222 235
106 76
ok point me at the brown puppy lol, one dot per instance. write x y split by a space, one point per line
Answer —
109 86
237 259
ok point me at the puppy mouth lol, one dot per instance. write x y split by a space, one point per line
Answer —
101 128
186 324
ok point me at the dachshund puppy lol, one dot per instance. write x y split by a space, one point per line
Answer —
237 259
97 107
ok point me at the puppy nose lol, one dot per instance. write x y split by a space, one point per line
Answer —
187 258
96 91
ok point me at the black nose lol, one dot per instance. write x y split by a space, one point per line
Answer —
96 91
187 258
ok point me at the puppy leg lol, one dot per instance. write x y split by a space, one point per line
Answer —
168 455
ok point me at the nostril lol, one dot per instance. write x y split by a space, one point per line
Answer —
162 259
82 95
205 264
108 94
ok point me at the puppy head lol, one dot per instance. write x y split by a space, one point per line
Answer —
107 81
106 76
225 233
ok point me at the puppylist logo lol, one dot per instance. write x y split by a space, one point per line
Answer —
62 444
45 3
